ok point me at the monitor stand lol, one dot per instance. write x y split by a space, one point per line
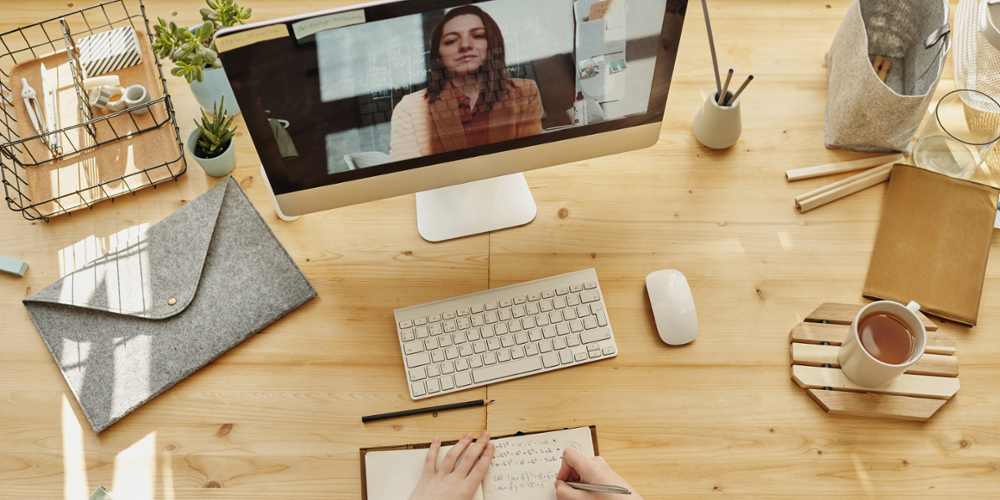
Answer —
474 207
277 209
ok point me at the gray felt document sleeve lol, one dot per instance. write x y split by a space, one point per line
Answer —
136 321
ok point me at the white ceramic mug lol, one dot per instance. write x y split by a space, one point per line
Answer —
860 366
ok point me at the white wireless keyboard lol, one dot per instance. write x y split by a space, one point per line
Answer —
505 333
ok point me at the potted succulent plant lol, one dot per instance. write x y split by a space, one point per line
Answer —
211 142
193 51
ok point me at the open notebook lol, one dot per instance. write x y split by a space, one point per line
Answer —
524 466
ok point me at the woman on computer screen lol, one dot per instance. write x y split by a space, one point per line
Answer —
470 100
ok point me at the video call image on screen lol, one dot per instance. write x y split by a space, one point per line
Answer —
484 73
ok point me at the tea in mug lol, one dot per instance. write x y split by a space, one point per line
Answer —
887 337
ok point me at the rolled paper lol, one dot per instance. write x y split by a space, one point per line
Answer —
101 81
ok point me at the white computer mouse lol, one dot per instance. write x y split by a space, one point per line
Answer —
673 306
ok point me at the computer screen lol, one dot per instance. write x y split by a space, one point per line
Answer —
369 101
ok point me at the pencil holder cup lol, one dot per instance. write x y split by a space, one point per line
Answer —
718 127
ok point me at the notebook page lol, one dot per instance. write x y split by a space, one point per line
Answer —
392 475
525 467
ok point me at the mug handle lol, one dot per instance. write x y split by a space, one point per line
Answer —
913 306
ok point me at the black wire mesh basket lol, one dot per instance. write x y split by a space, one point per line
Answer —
18 154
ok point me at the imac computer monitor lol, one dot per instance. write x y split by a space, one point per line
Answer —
448 99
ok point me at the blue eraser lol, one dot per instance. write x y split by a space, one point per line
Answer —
13 266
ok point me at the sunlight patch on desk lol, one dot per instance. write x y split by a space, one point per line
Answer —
786 241
135 469
74 464
73 356
91 248
859 467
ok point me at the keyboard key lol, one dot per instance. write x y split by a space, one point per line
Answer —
582 311
500 328
548 294
479 347
562 290
520 338
434 371
434 318
489 358
417 374
437 356
514 326
573 300
575 288
559 343
464 312
573 340
476 362
595 335
492 306
450 326
465 350
517 311
545 306
435 329
448 315
559 302
430 344
535 335
590 285
506 303
464 324
406 324
451 353
445 340
569 314
460 337
420 321
608 351
461 365
545 346
476 309
555 317
548 332
413 347
562 328
517 352
531 309
528 323
447 384
565 356
407 335
580 356
487 332
491 317
595 354
493 344
421 332
590 322
503 356
602 320
526 365
590 348
534 297
418 389
521 299
588 296
447 368
417 360
463 379
505 315
550 359
472 335
542 319
508 340
576 326
531 350
478 320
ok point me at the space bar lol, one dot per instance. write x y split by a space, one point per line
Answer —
506 369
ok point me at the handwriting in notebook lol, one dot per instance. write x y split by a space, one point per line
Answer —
525 467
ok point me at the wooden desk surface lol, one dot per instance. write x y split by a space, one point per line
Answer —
279 416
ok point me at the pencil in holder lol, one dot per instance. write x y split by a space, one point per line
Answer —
716 126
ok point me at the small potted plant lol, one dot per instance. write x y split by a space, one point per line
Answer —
193 51
211 142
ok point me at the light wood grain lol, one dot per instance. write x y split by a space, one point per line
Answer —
279 416
858 404
811 377
819 355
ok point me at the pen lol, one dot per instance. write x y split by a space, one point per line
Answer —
431 409
603 488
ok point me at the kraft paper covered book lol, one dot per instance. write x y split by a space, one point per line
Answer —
134 322
933 243
524 466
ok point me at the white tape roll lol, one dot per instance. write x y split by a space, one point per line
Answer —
136 95
101 81
116 99
99 97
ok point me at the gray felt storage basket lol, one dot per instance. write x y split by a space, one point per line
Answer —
862 113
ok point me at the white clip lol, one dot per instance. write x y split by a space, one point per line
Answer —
34 110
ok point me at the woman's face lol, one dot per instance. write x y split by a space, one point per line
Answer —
463 44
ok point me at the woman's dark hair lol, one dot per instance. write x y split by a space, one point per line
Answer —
493 72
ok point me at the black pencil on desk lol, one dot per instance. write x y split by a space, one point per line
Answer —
418 411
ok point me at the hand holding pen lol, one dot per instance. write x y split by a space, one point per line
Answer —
576 468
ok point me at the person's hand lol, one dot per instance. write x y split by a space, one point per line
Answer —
580 469
462 471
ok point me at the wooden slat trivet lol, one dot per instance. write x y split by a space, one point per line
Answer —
915 395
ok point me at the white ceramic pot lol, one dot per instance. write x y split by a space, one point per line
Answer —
212 88
219 166
718 127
